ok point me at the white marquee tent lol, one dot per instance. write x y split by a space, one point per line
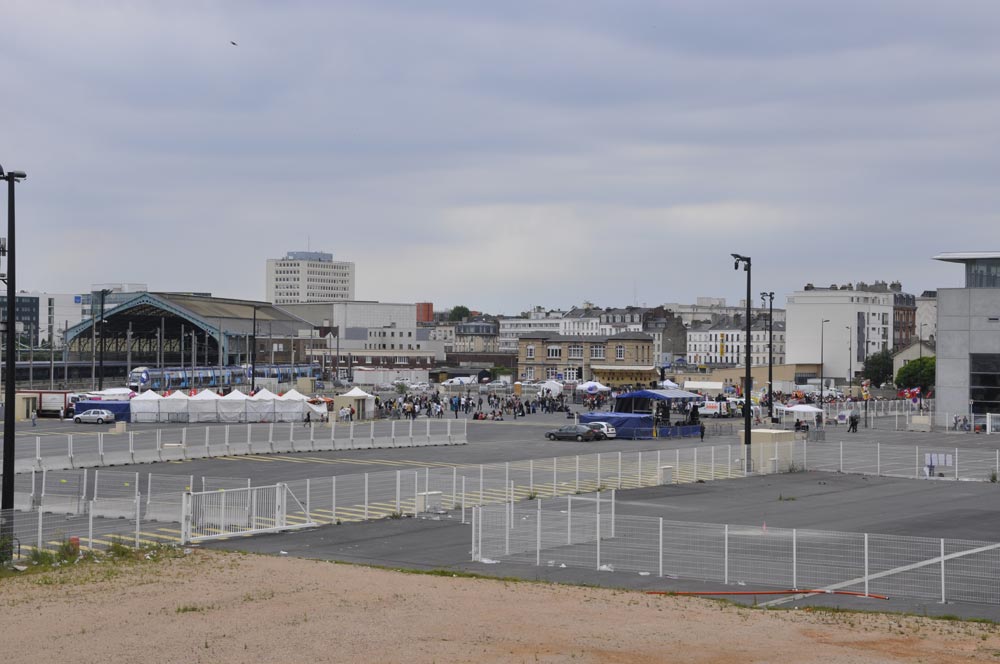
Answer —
207 406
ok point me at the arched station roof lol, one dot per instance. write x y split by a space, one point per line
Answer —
207 314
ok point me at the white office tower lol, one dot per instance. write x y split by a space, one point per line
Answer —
860 323
308 276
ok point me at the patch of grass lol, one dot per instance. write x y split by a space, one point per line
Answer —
532 495
190 608
119 549
993 476
395 515
785 498
253 597
50 568
42 557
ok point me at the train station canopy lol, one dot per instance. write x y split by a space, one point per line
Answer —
226 322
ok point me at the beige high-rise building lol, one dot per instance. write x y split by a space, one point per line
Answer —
308 276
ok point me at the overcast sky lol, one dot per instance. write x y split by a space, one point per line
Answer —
506 154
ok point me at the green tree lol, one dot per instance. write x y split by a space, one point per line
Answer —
878 368
458 313
917 373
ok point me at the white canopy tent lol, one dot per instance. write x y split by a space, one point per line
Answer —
202 407
552 386
592 387
146 407
799 409
260 407
232 407
174 408
364 403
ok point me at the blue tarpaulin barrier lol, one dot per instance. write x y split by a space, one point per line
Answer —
121 409
636 426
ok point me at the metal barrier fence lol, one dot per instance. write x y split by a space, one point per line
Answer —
42 531
210 515
158 445
445 488
584 534
345 498
909 461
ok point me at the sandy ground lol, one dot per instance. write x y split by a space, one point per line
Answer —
223 607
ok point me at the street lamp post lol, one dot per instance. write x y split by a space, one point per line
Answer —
253 353
769 298
100 378
920 342
10 386
822 378
745 260
850 363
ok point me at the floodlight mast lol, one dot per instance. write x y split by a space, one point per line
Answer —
748 379
10 384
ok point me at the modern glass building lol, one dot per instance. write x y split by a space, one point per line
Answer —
968 341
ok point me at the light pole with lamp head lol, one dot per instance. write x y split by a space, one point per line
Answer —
769 298
100 379
253 353
10 385
822 378
850 363
745 260
920 342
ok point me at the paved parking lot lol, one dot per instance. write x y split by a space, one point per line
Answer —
850 503
821 501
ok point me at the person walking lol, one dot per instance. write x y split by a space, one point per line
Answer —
308 419
701 430
34 418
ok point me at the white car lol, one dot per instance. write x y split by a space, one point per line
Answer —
94 416
603 430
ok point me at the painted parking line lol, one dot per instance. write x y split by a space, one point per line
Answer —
358 462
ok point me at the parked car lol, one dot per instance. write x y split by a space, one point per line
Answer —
603 430
94 416
579 432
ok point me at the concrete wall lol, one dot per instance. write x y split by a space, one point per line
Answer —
964 326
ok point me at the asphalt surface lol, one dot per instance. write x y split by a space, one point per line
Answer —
820 501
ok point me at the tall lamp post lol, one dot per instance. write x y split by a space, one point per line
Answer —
10 386
768 297
822 378
920 342
745 260
850 363
100 378
253 353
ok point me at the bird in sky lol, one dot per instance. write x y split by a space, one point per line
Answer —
234 43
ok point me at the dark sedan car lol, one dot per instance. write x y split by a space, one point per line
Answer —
578 432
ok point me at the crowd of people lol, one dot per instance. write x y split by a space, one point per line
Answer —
478 406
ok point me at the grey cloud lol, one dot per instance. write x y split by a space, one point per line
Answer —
505 154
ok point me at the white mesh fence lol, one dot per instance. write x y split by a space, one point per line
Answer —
196 442
937 461
585 532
